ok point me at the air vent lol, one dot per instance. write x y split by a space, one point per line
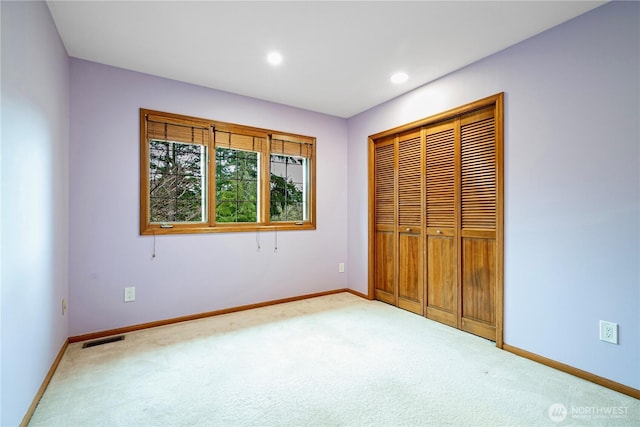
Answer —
103 341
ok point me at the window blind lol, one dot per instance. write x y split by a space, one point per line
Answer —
177 130
237 141
289 147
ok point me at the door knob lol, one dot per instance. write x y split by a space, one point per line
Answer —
438 231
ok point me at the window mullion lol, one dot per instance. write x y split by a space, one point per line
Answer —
286 192
265 182
211 171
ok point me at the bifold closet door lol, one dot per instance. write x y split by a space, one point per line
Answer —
436 217
399 254
410 212
384 217
478 226
441 214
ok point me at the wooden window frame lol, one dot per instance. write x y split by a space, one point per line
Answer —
264 222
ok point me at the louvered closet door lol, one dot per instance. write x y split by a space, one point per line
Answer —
385 207
442 288
410 213
436 217
478 223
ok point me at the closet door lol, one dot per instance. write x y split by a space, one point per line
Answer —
385 207
436 217
441 214
478 226
410 201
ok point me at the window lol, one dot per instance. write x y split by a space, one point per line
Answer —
200 176
289 185
237 186
238 157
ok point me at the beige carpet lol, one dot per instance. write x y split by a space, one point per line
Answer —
336 360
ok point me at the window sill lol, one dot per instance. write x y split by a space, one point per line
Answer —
157 229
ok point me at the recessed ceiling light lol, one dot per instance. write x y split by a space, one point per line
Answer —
399 77
274 58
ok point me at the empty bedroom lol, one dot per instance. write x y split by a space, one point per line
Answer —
310 213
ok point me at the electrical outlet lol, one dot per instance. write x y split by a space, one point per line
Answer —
609 332
129 294
341 267
64 306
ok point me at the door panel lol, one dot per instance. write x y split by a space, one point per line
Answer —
410 212
384 184
478 164
442 287
440 176
410 287
478 218
409 180
384 283
385 208
478 283
441 279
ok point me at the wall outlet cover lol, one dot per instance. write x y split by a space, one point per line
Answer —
129 294
609 332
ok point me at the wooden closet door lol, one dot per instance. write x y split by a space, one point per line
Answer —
385 207
478 223
410 245
440 242
442 279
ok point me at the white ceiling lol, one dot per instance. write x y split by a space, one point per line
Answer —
338 55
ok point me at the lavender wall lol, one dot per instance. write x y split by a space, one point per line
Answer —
191 273
34 247
572 184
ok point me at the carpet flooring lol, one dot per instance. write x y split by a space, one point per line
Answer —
336 360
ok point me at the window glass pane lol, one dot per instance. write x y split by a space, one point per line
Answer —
226 211
288 188
236 185
177 182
